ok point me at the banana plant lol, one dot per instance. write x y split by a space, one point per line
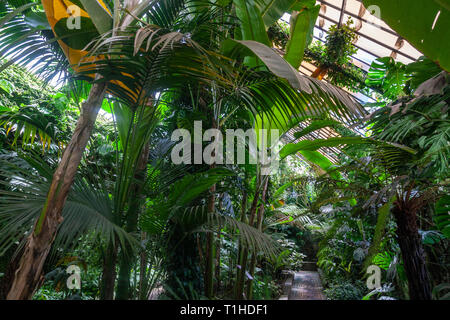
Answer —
256 16
147 49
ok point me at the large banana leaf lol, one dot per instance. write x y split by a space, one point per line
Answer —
302 25
252 25
272 11
95 20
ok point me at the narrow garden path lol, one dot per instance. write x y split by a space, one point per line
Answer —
303 285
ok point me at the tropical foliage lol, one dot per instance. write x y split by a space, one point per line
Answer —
88 117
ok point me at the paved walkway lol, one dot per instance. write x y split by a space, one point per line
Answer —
303 285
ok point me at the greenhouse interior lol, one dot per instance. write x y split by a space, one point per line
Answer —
224 150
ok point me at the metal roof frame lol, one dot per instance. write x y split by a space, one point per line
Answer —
372 32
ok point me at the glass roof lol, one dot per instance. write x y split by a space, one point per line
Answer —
376 39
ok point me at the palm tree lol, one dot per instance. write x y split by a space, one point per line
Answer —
144 50
42 237
419 178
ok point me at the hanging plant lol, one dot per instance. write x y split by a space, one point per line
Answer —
338 48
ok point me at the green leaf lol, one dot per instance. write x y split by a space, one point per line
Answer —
76 39
441 215
388 75
383 260
307 145
320 160
100 17
181 194
252 25
420 25
78 3
382 219
332 99
14 13
422 70
302 25
273 10
431 237
276 64
6 86
315 125
280 191
292 148
37 20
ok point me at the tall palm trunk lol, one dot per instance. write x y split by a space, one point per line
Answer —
28 276
243 259
143 270
109 272
240 247
218 248
209 266
259 221
126 261
209 251
412 251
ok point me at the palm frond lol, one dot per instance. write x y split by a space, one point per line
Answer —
198 219
28 123
30 45
23 195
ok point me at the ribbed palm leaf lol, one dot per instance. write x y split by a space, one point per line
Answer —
178 207
27 39
23 194
28 123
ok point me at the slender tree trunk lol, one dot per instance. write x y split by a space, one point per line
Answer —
126 261
109 273
259 221
209 266
217 263
29 273
143 271
240 281
412 251
240 247
209 250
